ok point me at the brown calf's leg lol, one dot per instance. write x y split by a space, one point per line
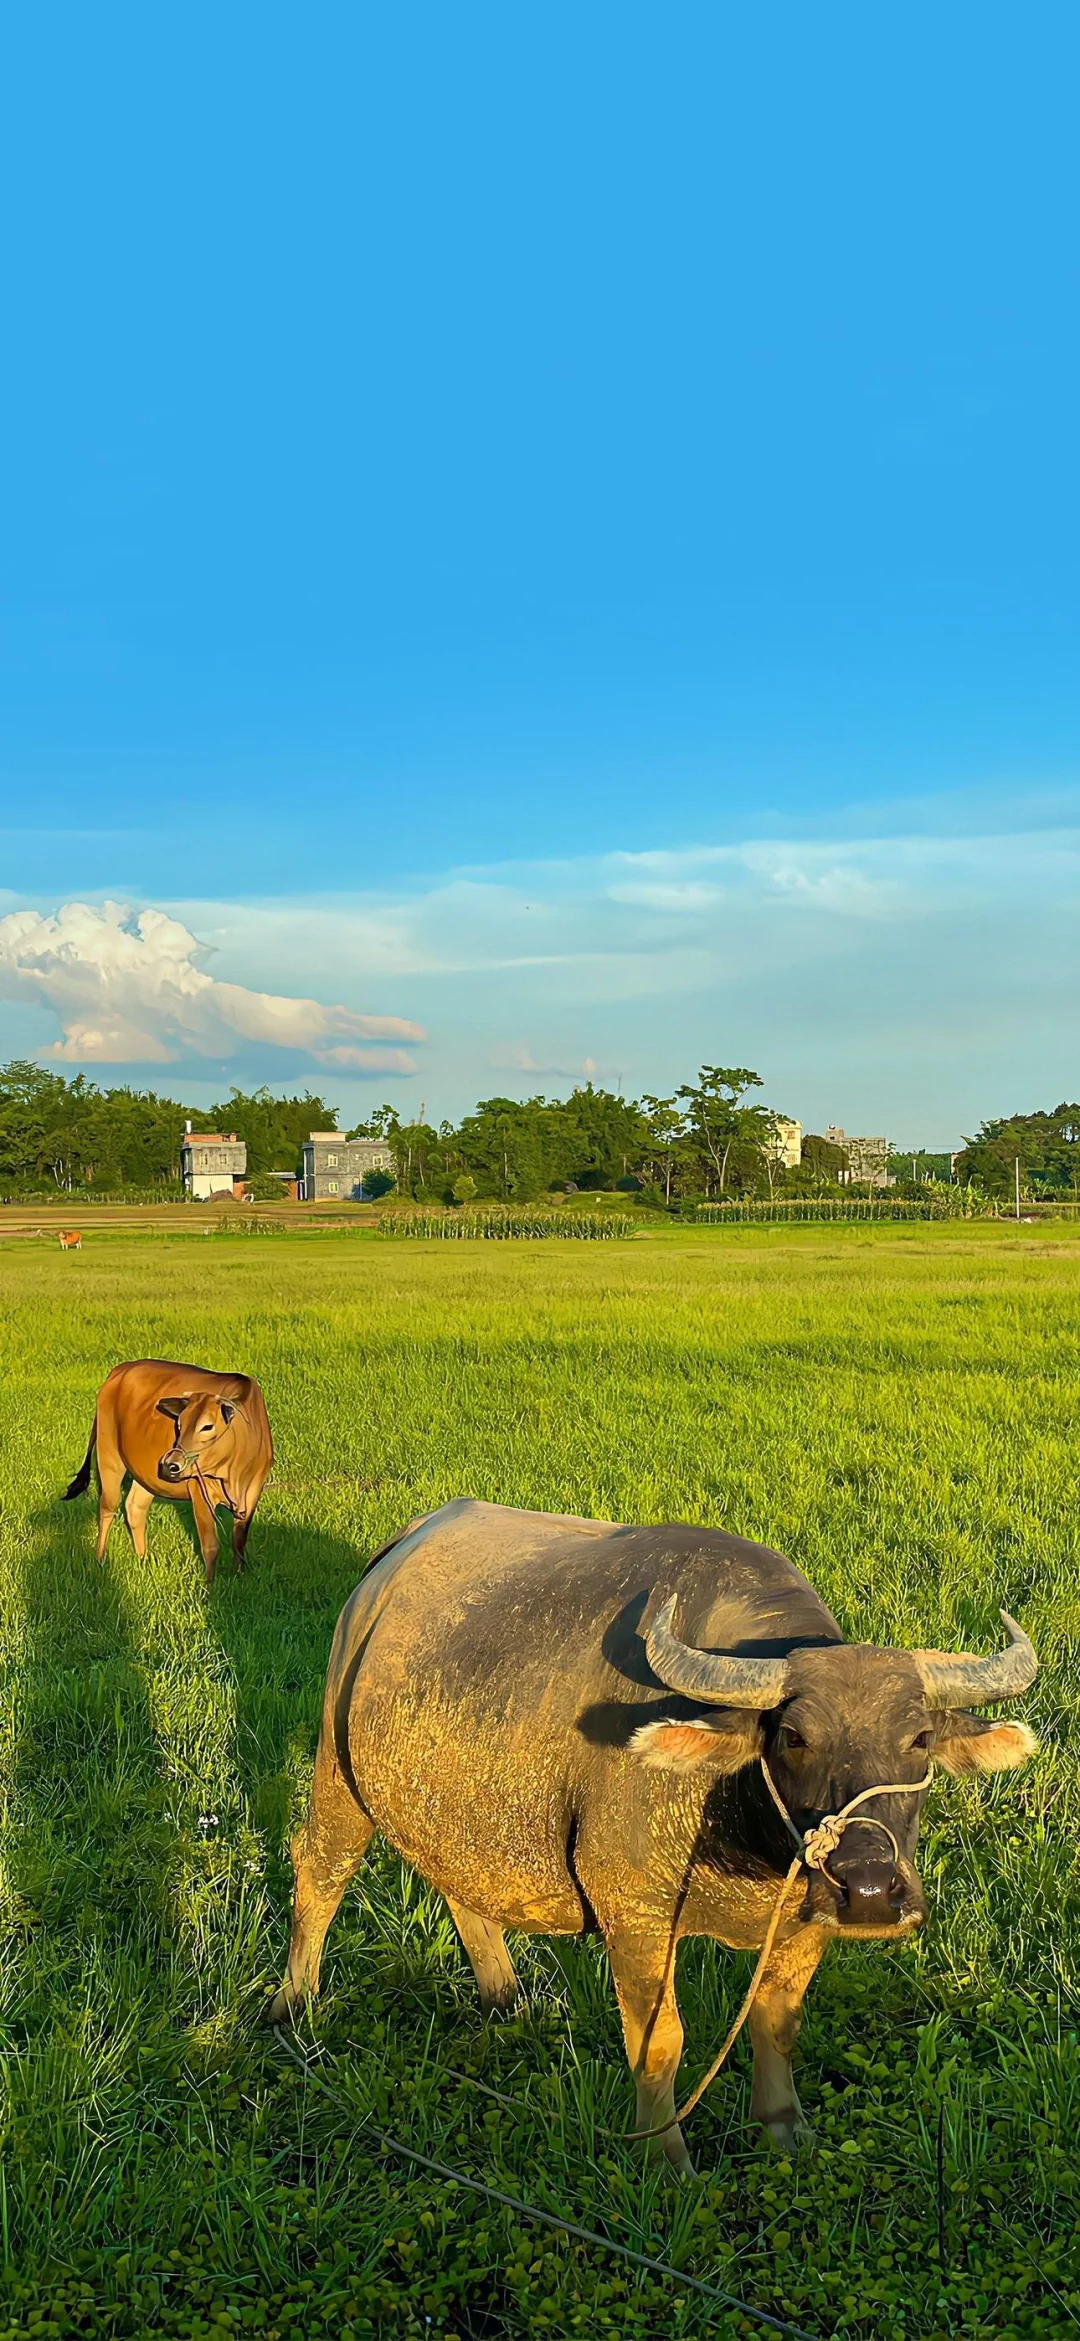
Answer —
242 1519
774 2024
643 1971
136 1512
206 1527
110 1483
327 1852
485 1945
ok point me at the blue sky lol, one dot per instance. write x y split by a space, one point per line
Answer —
554 533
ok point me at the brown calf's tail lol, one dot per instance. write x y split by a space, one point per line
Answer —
81 1481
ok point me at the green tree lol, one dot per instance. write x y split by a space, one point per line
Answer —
596 1138
507 1148
726 1132
819 1171
1048 1147
274 1129
668 1150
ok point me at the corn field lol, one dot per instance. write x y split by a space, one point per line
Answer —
950 1204
498 1223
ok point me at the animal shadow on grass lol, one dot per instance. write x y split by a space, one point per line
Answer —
89 1843
160 1736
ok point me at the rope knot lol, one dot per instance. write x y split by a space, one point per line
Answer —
819 1843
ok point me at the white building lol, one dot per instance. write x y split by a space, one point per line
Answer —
335 1167
787 1143
212 1164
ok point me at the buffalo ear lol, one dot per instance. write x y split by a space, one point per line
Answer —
173 1407
719 1744
975 1743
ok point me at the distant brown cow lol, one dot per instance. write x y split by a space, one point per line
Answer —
220 1453
70 1239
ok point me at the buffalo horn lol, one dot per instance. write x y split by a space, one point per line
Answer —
956 1679
702 1674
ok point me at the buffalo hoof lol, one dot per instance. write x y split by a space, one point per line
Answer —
790 2130
284 2007
675 2167
503 2000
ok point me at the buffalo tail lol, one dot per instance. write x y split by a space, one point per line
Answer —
81 1481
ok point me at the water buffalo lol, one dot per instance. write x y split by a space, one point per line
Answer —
563 1724
219 1451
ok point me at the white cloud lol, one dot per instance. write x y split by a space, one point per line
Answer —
912 981
127 988
517 1057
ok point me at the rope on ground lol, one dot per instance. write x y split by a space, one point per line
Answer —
603 2243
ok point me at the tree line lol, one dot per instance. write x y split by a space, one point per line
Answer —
712 1138
71 1136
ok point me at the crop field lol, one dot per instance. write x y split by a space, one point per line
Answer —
896 1407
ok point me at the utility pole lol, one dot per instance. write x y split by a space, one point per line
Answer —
1016 1168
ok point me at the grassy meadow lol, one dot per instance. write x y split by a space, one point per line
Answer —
898 1408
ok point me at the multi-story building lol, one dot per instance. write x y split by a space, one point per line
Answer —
335 1167
867 1159
212 1163
787 1143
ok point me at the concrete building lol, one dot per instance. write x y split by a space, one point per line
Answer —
335 1167
212 1164
867 1159
788 1143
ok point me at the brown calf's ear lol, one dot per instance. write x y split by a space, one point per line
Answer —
173 1407
722 1743
973 1743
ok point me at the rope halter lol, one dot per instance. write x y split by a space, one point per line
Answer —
822 1840
190 1456
813 1852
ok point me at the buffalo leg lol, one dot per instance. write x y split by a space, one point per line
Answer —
643 1971
485 1945
206 1527
326 1854
774 2024
136 1512
240 1527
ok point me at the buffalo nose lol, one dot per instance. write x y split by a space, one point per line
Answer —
168 1469
871 1893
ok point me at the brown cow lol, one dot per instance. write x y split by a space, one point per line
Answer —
70 1239
220 1452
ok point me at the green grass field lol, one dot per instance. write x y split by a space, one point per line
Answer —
898 1409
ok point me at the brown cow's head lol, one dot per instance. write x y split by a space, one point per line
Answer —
831 1721
205 1436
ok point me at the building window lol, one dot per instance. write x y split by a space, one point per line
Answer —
331 1186
331 1161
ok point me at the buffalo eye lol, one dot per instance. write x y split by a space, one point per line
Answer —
923 1739
206 1426
790 1738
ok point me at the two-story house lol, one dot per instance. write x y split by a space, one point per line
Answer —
335 1167
212 1163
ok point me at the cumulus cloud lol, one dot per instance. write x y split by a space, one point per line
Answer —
127 987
